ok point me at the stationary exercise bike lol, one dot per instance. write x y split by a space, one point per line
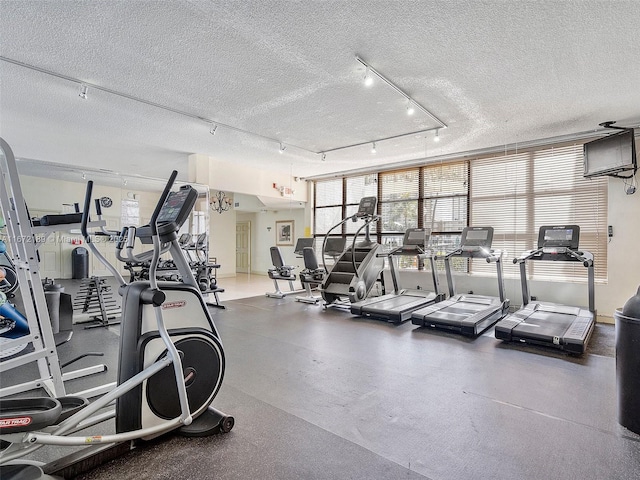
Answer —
171 362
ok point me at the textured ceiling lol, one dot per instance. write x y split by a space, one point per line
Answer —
497 72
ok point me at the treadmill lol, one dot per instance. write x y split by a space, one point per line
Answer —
467 314
398 306
540 323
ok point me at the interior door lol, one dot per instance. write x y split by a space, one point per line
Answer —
243 247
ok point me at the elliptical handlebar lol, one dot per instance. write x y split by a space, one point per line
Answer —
85 211
85 234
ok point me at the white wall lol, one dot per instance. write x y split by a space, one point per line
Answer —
246 181
263 237
232 177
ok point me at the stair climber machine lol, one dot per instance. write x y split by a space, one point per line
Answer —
549 324
171 361
467 314
398 306
356 271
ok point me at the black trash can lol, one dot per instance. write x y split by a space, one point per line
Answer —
52 292
627 370
80 263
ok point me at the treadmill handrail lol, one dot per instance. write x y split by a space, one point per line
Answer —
583 256
491 255
527 255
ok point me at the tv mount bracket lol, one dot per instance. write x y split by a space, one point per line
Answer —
609 124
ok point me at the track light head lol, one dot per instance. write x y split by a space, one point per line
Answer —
373 147
213 129
83 92
368 78
436 138
324 156
410 108
282 148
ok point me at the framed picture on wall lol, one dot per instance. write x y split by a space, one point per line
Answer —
284 233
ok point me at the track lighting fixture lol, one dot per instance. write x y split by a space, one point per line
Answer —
282 148
373 147
84 176
412 104
436 137
324 156
410 108
83 92
213 129
368 78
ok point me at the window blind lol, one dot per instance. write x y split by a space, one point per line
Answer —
518 193
361 186
328 193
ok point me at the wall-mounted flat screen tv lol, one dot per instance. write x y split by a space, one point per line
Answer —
610 155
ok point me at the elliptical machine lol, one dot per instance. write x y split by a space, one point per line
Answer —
171 362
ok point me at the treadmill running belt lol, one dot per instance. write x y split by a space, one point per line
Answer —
397 302
543 325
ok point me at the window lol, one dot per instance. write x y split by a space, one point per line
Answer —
328 205
433 196
445 198
399 195
514 193
518 193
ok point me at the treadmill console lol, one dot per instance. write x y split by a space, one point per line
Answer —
476 238
557 239
367 208
415 237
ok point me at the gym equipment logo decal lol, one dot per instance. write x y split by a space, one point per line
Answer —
176 304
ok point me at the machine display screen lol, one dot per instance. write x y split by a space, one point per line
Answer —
415 236
559 236
477 234
477 237
178 206
367 206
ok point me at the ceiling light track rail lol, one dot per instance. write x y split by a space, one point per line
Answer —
214 124
470 154
411 101
378 140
